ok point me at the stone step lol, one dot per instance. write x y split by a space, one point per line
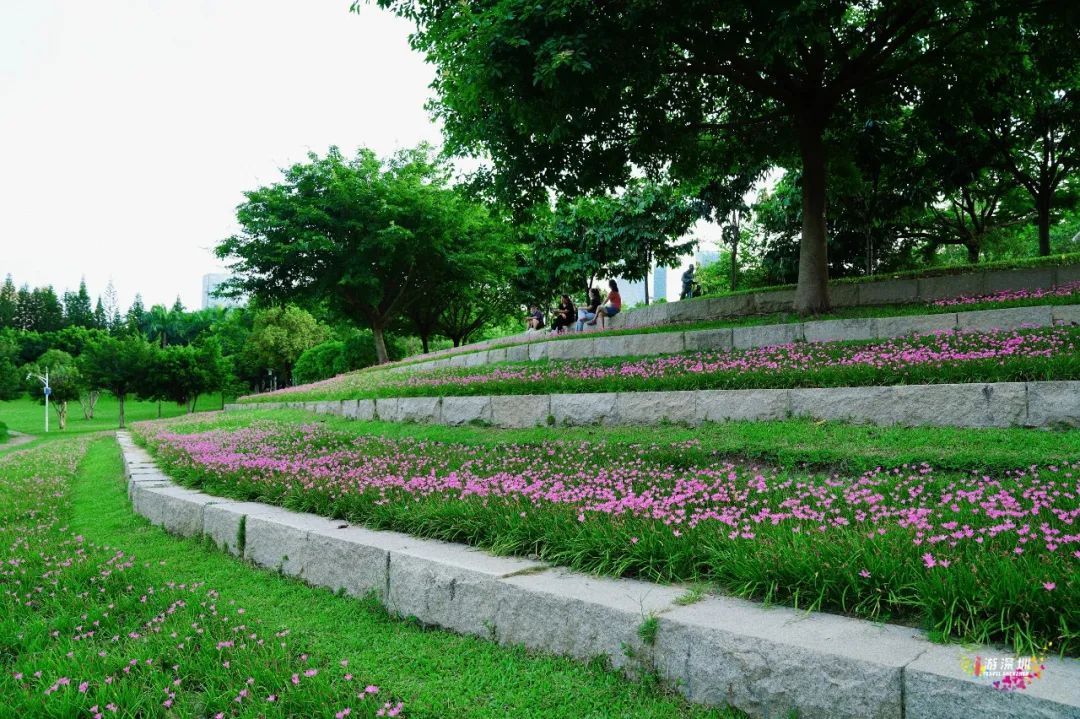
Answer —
977 404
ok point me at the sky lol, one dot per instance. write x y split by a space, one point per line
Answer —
129 129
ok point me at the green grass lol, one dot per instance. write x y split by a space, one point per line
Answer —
863 556
27 415
1046 354
3 433
81 519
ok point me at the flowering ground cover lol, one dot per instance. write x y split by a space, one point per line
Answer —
1065 294
942 357
103 616
976 555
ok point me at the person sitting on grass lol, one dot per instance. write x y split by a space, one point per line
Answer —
587 315
614 301
534 321
565 314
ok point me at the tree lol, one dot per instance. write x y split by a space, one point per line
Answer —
101 318
357 235
78 311
8 303
646 224
118 365
136 316
181 373
569 95
65 382
279 335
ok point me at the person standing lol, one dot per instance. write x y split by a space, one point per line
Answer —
687 283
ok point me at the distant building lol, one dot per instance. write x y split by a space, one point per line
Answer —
210 283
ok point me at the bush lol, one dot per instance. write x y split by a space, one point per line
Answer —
3 432
321 362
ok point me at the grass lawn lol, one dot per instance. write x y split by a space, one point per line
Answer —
104 615
27 416
965 532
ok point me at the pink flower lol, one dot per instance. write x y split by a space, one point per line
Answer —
864 573
1049 586
928 560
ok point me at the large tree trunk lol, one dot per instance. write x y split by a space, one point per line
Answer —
120 400
381 355
812 292
424 342
973 253
61 413
1042 207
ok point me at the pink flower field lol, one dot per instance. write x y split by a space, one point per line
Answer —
892 542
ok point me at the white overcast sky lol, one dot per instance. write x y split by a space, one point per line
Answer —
129 129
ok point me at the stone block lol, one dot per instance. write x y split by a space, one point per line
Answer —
346 558
570 349
648 408
1002 404
695 310
462 410
888 292
277 538
333 408
520 411
769 661
221 523
613 346
583 409
451 586
838 330
731 305
842 404
538 350
518 353
475 359
1067 315
458 360
1064 274
708 340
723 405
496 355
358 409
654 343
766 303
950 286
936 686
844 294
766 335
571 614
1026 279
311 406
640 317
418 409
1008 319
915 324
175 509
1053 404
387 409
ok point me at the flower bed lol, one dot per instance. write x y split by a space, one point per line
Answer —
982 557
1066 290
943 357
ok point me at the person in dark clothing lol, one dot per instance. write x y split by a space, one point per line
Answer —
565 314
688 284
587 315
535 319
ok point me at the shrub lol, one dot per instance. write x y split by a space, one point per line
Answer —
321 362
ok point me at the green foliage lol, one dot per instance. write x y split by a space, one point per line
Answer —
118 365
279 335
320 362
3 432
356 235
180 373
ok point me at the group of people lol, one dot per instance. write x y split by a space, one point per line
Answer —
567 314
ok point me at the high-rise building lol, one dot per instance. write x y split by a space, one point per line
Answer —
210 283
